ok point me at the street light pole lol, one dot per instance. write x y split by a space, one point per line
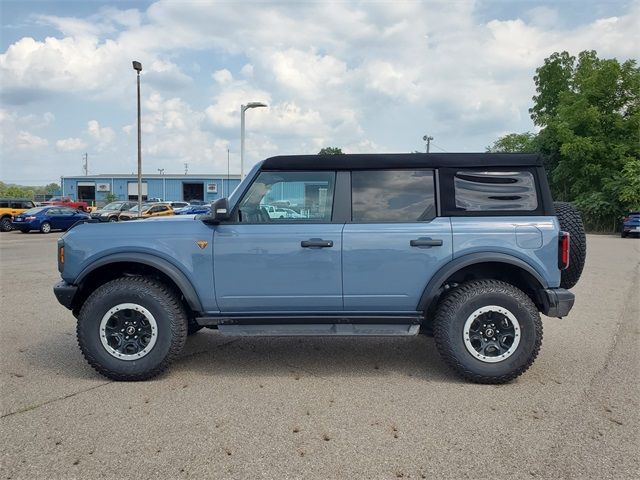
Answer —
243 109
427 138
137 66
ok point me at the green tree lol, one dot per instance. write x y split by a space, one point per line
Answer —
110 197
515 143
588 111
330 151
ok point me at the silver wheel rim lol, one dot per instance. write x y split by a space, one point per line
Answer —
504 329
107 337
46 228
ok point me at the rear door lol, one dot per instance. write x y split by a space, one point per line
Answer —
395 241
268 264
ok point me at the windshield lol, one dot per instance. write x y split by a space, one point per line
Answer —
144 208
113 206
33 211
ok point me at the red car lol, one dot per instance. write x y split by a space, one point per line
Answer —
68 202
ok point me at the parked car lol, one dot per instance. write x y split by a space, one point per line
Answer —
111 212
197 202
631 224
68 202
193 210
9 208
470 246
148 210
48 218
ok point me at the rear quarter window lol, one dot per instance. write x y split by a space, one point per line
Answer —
490 191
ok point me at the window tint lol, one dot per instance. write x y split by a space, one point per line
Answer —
67 211
4 204
53 211
497 190
289 197
28 205
392 196
16 204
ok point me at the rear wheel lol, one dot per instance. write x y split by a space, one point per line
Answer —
131 328
488 331
45 227
5 224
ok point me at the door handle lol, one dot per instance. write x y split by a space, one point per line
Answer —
425 242
316 243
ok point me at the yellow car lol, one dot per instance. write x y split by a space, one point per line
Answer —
9 208
148 210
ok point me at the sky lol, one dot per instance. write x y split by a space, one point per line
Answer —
364 76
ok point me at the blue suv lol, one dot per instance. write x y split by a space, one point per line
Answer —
467 247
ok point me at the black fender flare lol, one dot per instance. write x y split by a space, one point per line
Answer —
169 269
432 290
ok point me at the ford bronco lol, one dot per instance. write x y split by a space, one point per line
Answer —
468 247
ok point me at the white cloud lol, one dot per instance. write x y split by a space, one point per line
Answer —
222 76
70 145
103 135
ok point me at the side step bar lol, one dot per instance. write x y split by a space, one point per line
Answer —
329 325
322 329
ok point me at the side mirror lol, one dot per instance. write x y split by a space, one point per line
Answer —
219 212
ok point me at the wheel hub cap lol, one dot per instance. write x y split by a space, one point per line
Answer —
491 334
128 331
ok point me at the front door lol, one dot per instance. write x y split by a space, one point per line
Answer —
395 242
288 263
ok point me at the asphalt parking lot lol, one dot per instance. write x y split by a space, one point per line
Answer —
321 407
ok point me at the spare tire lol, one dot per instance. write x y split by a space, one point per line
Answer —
570 221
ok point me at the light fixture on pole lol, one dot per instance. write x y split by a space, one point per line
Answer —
244 108
137 66
427 138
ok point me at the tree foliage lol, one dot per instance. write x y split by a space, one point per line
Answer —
29 192
588 111
515 143
330 151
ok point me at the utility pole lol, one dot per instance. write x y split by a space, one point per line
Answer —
186 168
228 186
85 157
243 109
161 171
428 139
137 66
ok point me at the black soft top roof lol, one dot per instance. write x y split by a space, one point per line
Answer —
364 161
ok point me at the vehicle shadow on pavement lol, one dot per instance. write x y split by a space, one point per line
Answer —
213 354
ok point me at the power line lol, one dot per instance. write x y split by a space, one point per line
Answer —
438 147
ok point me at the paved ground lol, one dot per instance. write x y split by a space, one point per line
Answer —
321 408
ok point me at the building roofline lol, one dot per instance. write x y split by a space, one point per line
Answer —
216 176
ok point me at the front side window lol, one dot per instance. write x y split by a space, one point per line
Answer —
392 196
289 197
481 191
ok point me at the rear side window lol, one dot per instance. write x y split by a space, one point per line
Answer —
381 196
4 204
489 191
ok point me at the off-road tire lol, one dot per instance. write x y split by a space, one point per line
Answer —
163 303
459 304
5 224
570 221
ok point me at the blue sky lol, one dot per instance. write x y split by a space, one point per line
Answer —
364 76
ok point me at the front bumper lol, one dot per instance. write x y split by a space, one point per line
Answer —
557 302
65 293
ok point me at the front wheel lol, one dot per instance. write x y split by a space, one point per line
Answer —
5 224
131 328
488 331
45 227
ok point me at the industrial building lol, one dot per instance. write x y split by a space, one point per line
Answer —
95 189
